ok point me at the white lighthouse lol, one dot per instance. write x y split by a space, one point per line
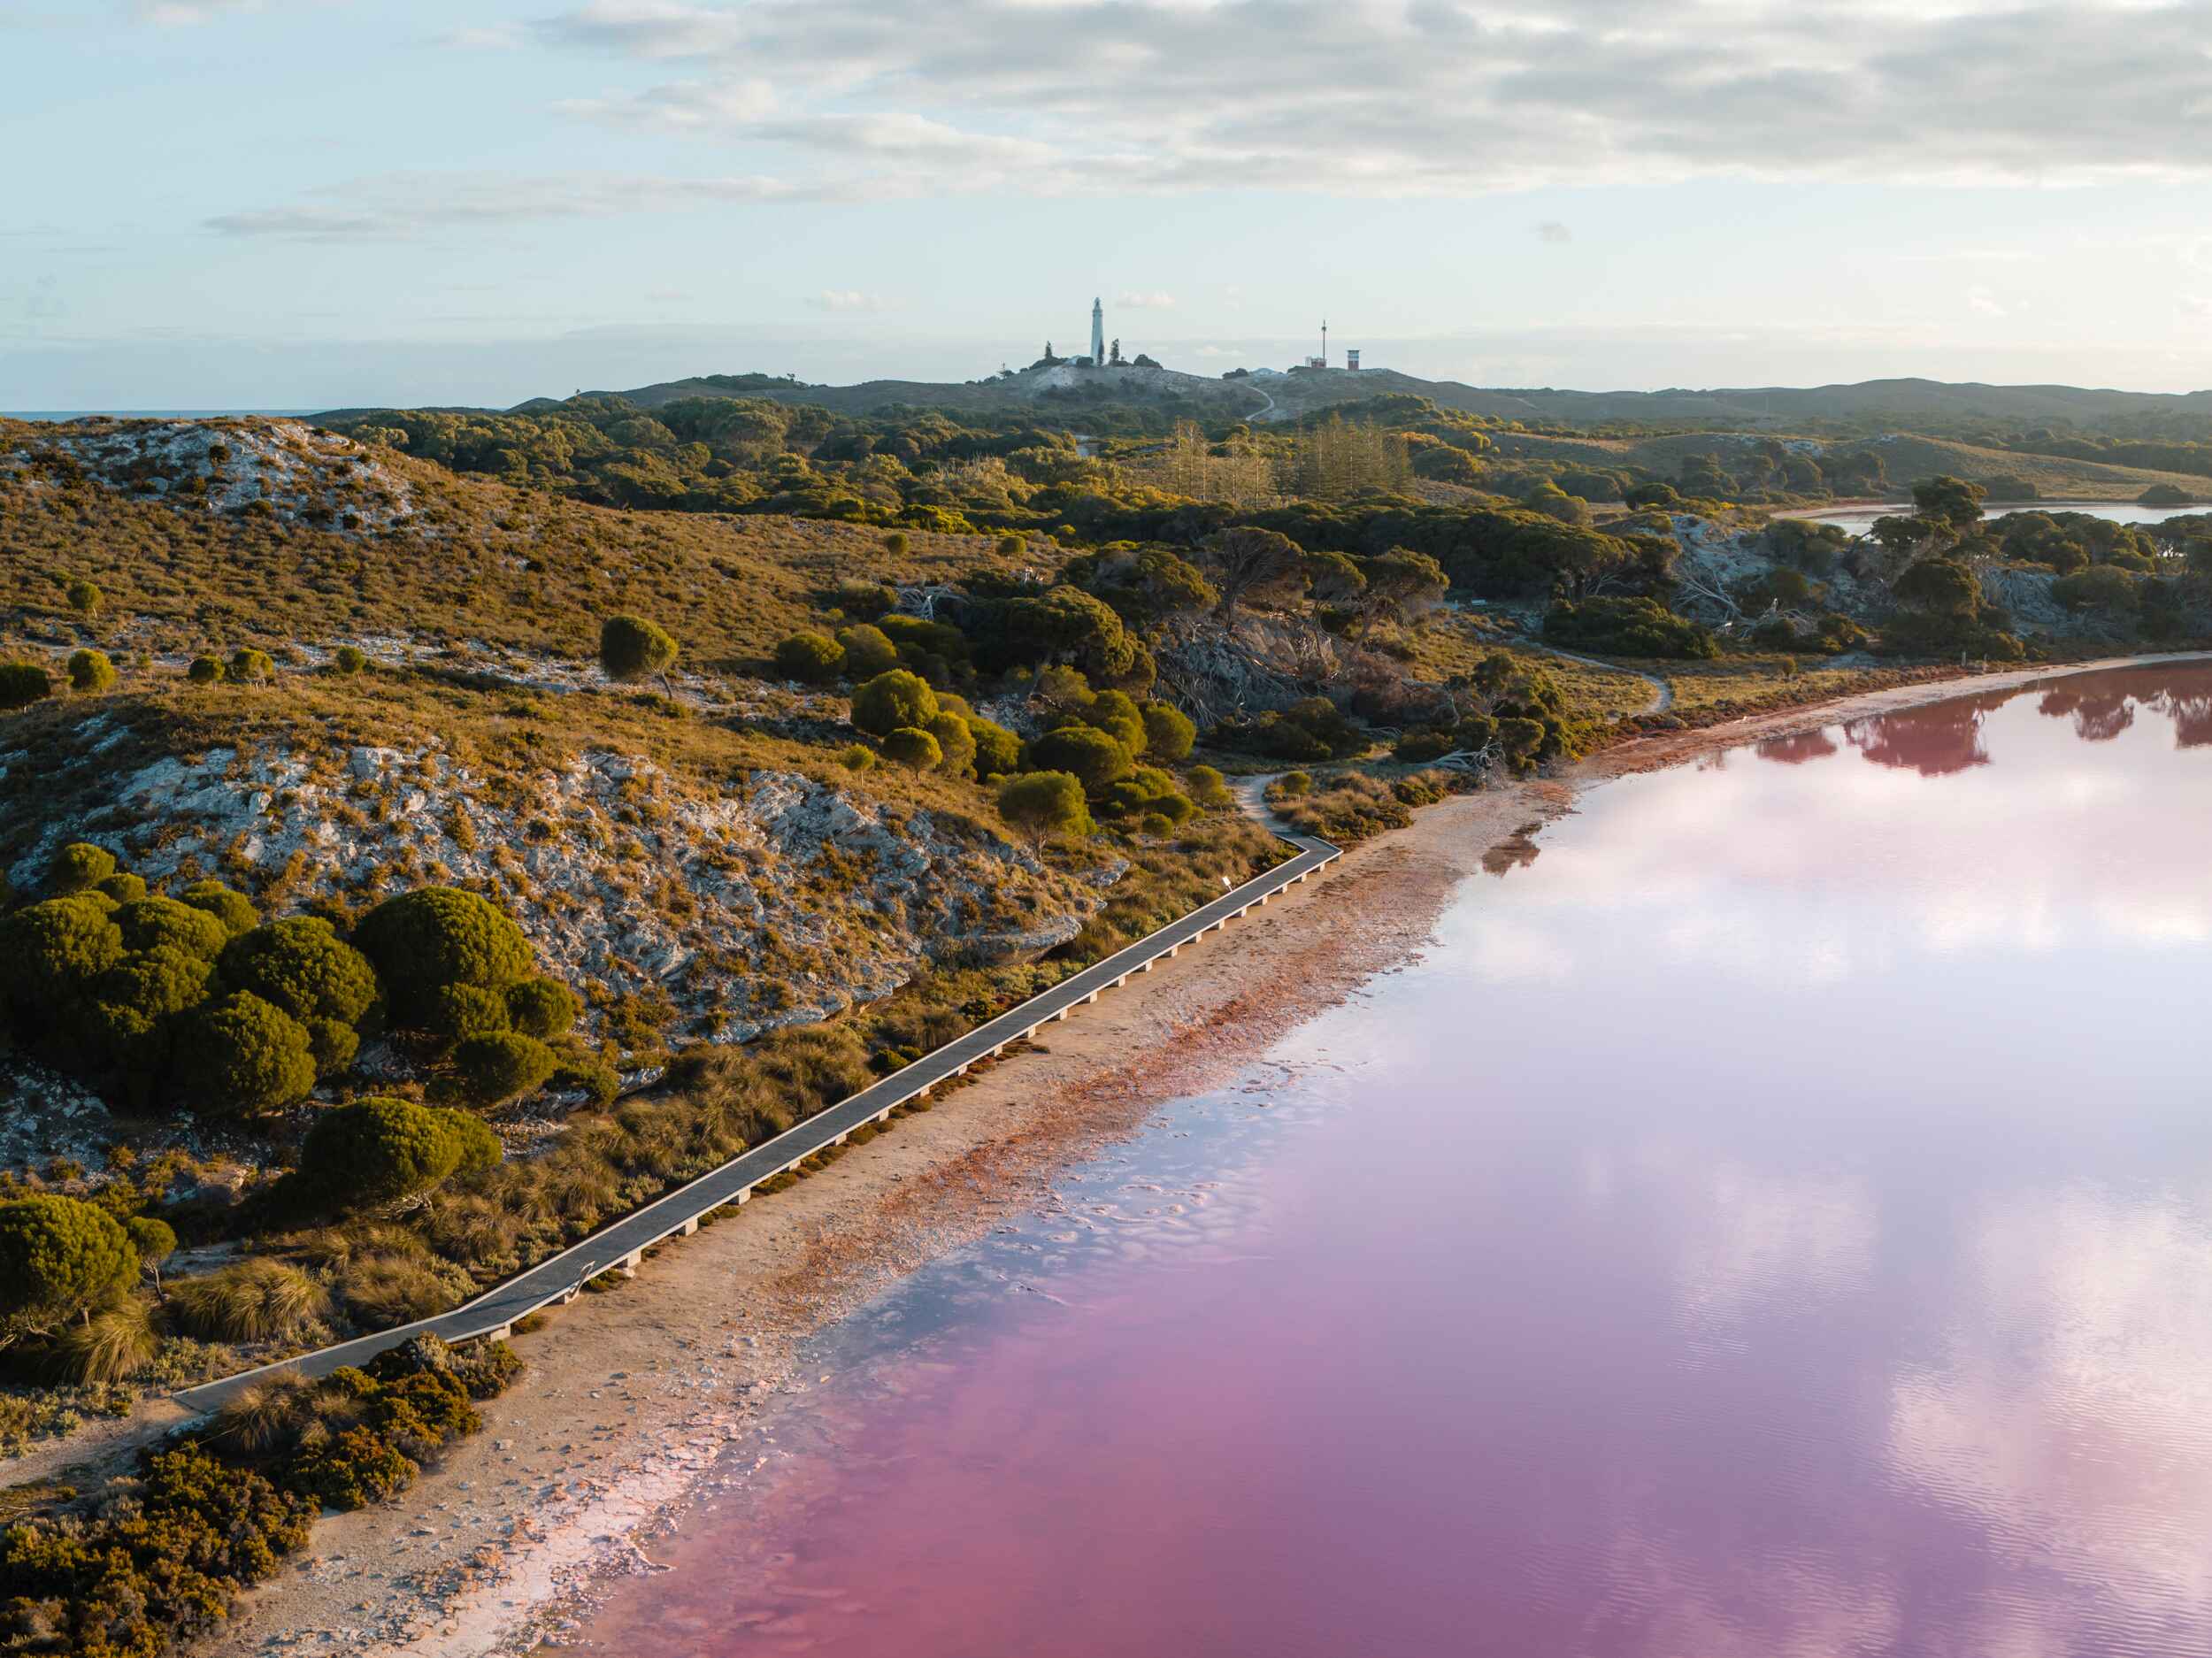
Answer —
1098 334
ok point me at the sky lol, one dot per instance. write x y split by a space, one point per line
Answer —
314 204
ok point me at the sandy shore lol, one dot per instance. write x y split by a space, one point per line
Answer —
630 1397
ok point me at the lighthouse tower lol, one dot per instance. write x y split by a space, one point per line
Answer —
1098 334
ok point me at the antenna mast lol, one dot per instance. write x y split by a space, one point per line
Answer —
1324 343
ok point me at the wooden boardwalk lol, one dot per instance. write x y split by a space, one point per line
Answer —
619 1247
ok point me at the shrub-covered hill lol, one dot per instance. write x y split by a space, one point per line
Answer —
690 877
203 535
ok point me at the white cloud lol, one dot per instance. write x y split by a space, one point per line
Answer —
851 299
878 99
1980 301
400 205
1152 301
1551 231
185 13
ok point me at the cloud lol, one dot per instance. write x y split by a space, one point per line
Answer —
1980 301
187 13
1154 301
401 205
1551 230
835 299
854 100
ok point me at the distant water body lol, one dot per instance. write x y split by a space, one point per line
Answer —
1776 1222
1859 520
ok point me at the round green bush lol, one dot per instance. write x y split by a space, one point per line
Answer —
156 982
204 670
1114 713
998 751
90 672
378 1150
1041 803
334 1045
541 1007
233 910
24 683
460 1011
857 757
912 746
155 1240
122 887
631 648
955 744
49 951
78 865
892 700
1157 824
492 1070
148 923
242 1056
811 658
58 1256
1168 731
441 935
301 965
1094 757
349 660
866 650
84 597
248 666
1208 788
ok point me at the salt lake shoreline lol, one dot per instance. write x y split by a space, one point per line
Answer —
630 1399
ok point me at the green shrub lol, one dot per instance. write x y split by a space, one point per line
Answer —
259 1300
1169 734
440 935
543 1008
955 744
998 751
233 910
78 865
458 1012
51 951
122 887
248 666
153 923
156 982
1094 757
1291 786
378 1150
155 1240
857 757
242 1056
1633 627
1041 803
58 1257
1208 788
84 597
334 1043
90 672
353 1468
492 1070
913 747
24 683
893 700
866 650
811 658
1115 713
631 648
204 670
349 660
301 965
1156 824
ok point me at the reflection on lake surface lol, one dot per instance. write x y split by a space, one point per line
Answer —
1859 520
1775 1223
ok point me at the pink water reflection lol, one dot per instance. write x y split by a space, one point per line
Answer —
1778 1222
